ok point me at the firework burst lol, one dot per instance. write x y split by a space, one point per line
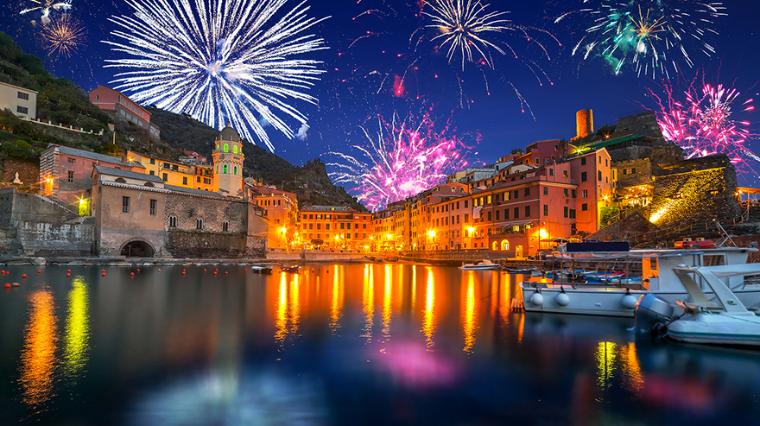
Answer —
62 36
46 8
221 61
654 37
468 29
707 119
398 161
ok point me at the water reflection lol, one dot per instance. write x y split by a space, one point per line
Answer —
387 294
368 302
605 363
77 328
281 314
337 297
428 323
469 320
38 355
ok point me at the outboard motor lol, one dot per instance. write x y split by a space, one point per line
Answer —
652 316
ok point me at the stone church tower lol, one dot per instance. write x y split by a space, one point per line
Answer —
228 163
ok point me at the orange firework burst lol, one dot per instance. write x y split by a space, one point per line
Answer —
63 36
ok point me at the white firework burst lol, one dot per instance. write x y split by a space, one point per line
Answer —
224 62
464 27
46 7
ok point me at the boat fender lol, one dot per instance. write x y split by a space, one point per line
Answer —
629 301
563 299
537 299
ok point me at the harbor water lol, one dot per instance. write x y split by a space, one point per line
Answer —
338 344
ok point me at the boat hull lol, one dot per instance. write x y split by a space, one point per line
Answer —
720 329
610 301
480 268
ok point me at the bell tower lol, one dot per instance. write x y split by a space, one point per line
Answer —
228 163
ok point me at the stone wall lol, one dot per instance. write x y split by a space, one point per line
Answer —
206 245
59 239
28 172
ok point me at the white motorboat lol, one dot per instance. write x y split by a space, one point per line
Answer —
261 269
720 320
484 265
658 278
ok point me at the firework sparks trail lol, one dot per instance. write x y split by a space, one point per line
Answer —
465 28
221 61
399 161
654 37
46 7
63 36
705 120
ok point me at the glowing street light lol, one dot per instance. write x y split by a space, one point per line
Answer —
470 231
431 233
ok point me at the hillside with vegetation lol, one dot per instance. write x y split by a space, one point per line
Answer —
62 101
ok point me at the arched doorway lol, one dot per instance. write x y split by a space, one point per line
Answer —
137 249
504 245
495 246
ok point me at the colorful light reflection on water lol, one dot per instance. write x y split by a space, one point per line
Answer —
337 344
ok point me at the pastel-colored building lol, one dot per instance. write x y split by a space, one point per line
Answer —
66 173
195 176
18 100
123 108
281 212
336 228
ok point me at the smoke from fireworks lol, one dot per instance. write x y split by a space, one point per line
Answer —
221 61
652 36
706 119
63 36
399 161
46 7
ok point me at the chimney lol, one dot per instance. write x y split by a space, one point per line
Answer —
584 123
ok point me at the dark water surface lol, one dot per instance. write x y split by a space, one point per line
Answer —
339 344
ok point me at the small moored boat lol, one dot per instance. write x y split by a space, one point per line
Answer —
483 265
291 269
261 269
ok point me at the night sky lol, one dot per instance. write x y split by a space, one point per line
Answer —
485 111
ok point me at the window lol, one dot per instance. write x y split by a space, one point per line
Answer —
527 211
551 172
70 176
125 204
22 110
234 149
517 213
23 96
583 161
574 193
584 207
224 169
165 177
584 176
226 148
198 179
199 224
184 180
584 193
572 213
466 218
153 205
600 175
566 192
465 203
527 192
235 170
152 161
546 190
72 160
498 213
546 210
225 227
152 173
172 221
567 212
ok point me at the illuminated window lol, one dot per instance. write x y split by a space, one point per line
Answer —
226 148
234 149
235 170
224 169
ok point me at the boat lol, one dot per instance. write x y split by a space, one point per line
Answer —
261 269
483 265
719 320
291 268
620 297
523 271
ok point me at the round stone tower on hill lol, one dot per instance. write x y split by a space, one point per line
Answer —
228 163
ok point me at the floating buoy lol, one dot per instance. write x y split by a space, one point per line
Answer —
39 271
7 285
537 299
24 276
132 275
16 284
103 273
563 299
629 301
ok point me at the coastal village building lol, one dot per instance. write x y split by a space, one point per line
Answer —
122 108
281 211
335 228
195 176
66 173
18 100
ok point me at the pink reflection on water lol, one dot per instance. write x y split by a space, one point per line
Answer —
412 365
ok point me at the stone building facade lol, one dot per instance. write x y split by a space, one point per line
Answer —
139 215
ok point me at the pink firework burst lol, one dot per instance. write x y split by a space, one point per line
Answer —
400 160
707 119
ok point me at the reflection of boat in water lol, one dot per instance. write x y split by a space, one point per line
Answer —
721 320
483 265
520 270
658 277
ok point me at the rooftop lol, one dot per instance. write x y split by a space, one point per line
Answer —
95 156
127 174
